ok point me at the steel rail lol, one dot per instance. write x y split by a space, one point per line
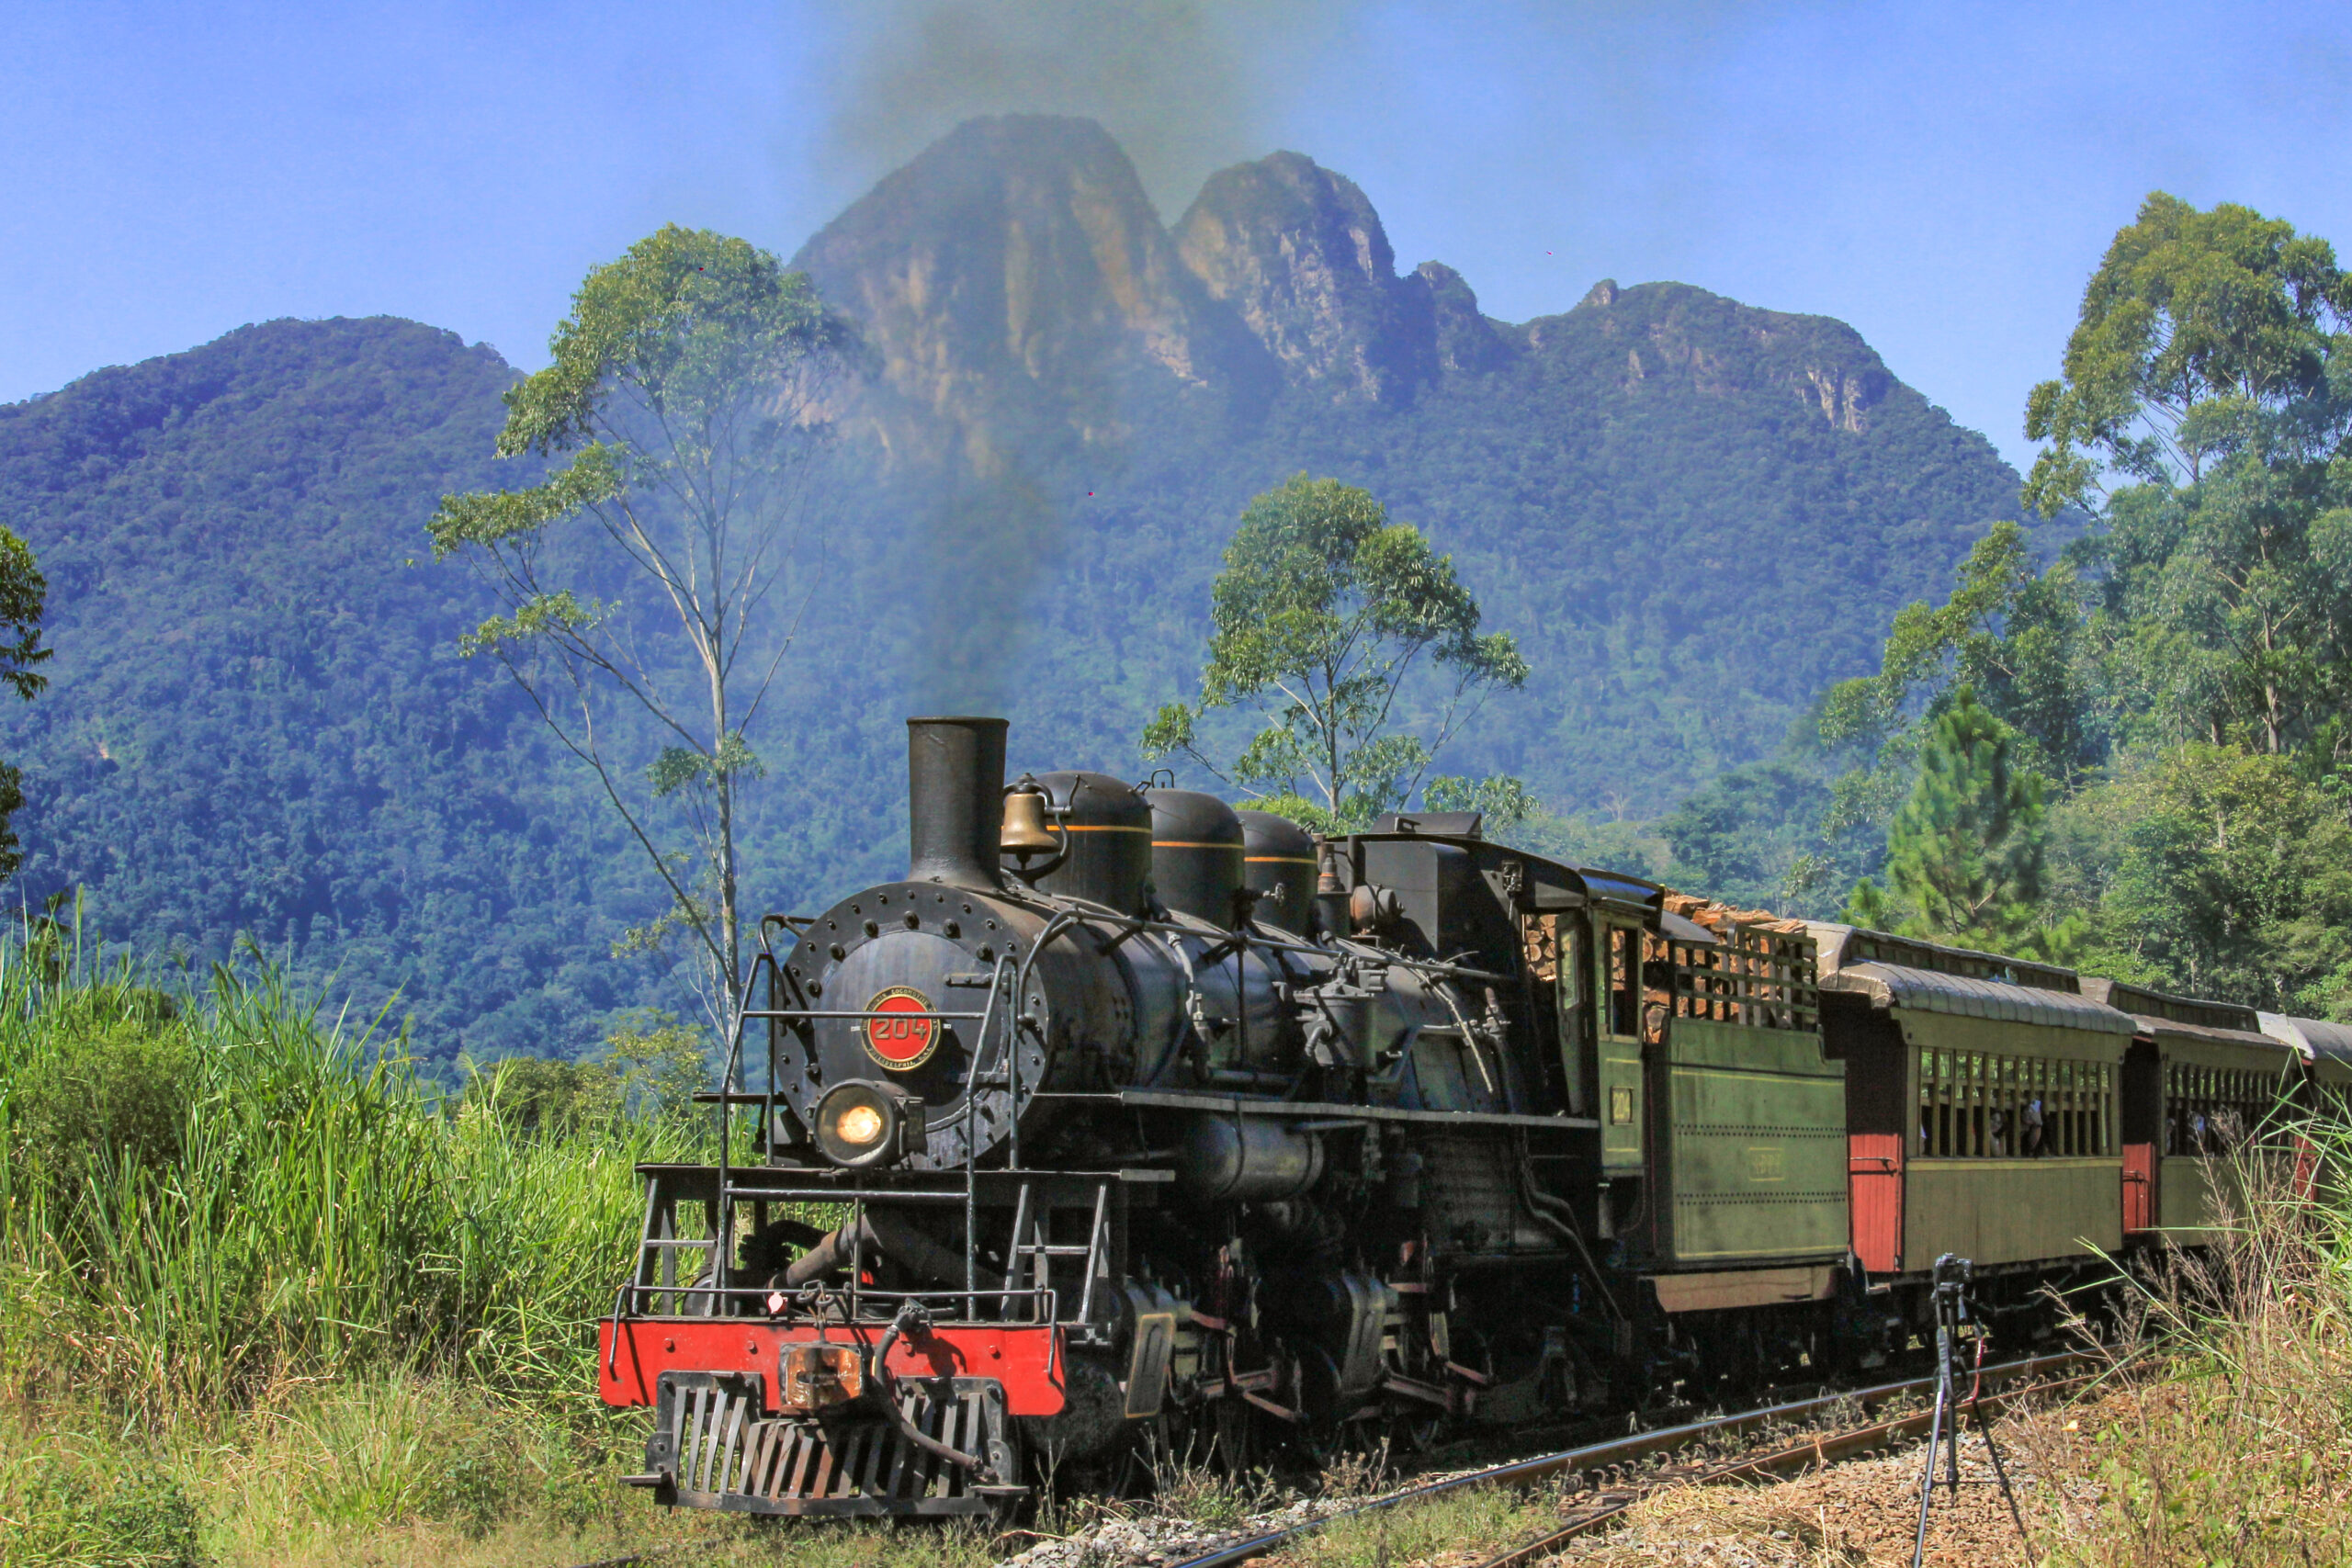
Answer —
1641 1445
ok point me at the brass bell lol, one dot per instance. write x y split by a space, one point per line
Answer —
1331 914
1025 833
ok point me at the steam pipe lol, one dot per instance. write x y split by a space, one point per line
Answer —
955 801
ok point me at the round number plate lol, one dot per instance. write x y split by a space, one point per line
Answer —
900 1043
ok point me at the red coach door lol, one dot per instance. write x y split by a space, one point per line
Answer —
1875 1179
2139 1187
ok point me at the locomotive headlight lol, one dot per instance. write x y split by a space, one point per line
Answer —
860 1124
818 1377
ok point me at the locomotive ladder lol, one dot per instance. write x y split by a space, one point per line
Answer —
1030 1246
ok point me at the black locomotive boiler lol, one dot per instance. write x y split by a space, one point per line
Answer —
1139 1124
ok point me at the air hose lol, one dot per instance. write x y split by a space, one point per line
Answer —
913 1322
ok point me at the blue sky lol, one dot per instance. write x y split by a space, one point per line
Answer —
1943 177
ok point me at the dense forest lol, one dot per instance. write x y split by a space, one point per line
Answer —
2130 758
1695 515
259 728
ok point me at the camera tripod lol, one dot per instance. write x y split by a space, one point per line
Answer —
1952 1276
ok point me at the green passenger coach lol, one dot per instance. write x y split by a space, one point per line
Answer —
2201 1079
1981 1106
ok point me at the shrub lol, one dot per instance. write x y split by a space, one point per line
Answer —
71 1518
110 1088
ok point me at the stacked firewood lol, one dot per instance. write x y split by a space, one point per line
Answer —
1759 972
1720 917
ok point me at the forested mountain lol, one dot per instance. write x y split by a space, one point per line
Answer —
1693 514
258 722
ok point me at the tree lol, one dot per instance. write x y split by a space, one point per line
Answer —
1966 851
1503 803
2207 368
685 385
23 593
2025 643
1743 835
1323 610
2231 601
660 1063
2199 333
2017 638
2216 872
652 1066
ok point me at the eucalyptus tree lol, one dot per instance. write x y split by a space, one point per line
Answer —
1323 611
2205 415
662 569
2016 636
2201 335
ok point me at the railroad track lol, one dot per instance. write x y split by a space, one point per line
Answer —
1999 1384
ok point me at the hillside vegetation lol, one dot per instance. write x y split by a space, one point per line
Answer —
258 725
1691 513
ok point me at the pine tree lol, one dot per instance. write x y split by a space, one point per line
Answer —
1964 853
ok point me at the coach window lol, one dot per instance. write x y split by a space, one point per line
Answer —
2208 1110
1625 957
1977 1106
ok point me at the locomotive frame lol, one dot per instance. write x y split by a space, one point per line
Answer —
1139 1140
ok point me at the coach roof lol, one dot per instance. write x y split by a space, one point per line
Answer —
1901 972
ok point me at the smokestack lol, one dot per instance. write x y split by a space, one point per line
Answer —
954 800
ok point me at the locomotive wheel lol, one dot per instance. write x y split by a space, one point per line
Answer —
1149 1453
1234 1444
1368 1440
1414 1434
703 1305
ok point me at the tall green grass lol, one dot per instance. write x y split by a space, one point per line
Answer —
265 1284
212 1192
2238 1448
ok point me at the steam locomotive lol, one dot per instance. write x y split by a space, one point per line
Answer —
1127 1124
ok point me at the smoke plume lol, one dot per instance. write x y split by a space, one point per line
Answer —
1177 82
1185 87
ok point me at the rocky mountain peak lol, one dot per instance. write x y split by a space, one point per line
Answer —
1669 338
1467 339
1016 268
1018 293
1298 253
